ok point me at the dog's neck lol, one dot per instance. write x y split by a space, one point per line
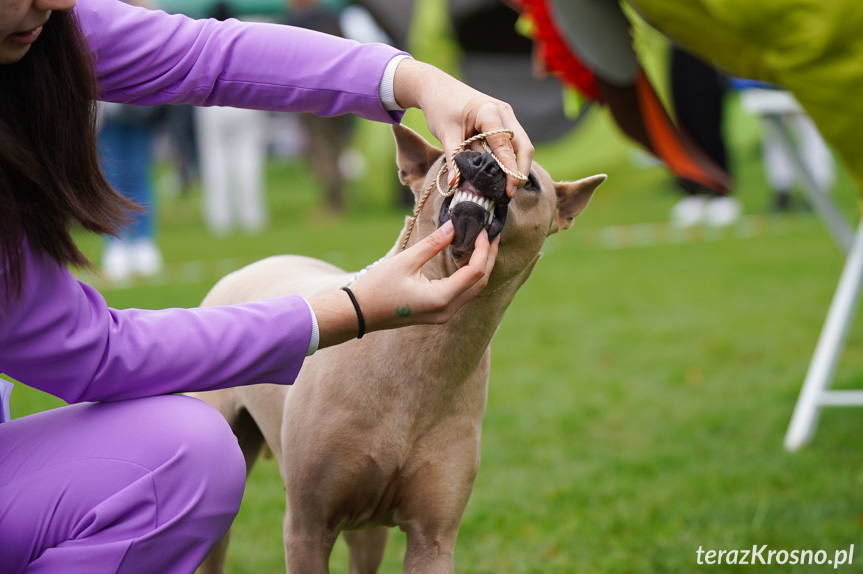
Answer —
456 350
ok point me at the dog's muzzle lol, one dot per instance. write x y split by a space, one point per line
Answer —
480 202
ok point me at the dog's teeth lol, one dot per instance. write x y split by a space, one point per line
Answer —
486 203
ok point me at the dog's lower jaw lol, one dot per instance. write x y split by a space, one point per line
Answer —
469 219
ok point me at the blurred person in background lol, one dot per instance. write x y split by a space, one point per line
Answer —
180 151
232 150
126 141
698 98
327 139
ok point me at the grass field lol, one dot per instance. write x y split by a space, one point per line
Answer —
641 382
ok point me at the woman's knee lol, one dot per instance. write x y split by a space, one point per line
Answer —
188 447
170 472
205 449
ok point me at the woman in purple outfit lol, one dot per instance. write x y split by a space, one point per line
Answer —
134 478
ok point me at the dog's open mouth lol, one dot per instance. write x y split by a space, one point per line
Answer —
480 202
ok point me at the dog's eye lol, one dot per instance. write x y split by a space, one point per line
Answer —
531 184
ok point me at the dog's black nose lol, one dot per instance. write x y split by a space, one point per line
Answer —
484 164
472 163
483 171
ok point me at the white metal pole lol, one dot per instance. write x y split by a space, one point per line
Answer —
830 345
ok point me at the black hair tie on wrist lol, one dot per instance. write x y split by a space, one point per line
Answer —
359 313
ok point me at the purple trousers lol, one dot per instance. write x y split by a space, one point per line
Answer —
140 486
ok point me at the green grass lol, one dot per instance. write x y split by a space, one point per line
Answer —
640 390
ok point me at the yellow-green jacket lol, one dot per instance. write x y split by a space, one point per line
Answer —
814 48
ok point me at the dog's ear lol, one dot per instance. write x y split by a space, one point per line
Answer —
573 197
414 156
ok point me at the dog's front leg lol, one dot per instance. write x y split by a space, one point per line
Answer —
429 551
433 504
307 547
366 549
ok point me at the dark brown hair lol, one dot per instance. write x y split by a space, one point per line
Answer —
50 178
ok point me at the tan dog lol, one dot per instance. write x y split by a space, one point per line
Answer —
385 431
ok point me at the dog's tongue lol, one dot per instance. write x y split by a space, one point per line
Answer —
468 220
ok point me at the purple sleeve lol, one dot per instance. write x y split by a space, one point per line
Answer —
61 337
149 57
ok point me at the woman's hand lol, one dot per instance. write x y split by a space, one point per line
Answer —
395 293
454 112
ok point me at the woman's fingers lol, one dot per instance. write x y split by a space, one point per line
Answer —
480 263
466 277
483 115
455 112
471 279
424 251
451 138
515 153
399 283
490 258
450 293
